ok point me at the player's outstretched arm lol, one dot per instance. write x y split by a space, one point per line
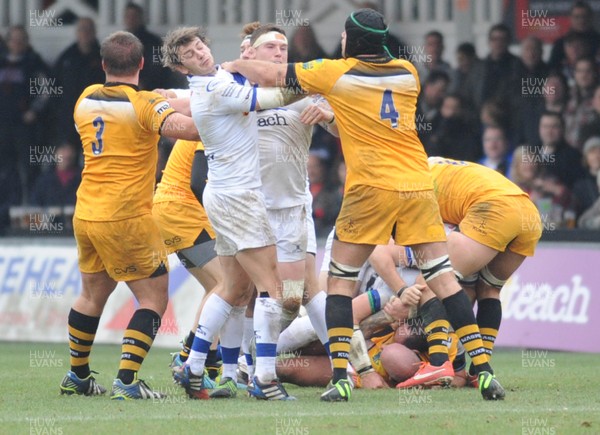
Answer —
181 105
375 323
266 74
272 98
166 93
179 126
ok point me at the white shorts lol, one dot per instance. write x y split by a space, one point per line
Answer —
239 218
311 236
289 227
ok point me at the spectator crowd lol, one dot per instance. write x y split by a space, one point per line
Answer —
535 120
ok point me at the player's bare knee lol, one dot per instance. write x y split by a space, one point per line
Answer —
486 292
291 296
291 304
471 293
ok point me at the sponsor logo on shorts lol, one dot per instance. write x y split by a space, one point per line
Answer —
173 241
125 270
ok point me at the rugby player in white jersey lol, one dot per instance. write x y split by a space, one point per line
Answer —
223 111
284 137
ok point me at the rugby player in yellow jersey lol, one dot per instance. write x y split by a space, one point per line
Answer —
388 185
185 227
498 227
117 238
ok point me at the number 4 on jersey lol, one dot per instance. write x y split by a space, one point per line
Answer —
388 110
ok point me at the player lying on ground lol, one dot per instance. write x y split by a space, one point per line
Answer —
392 356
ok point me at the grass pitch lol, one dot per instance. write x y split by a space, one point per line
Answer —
547 393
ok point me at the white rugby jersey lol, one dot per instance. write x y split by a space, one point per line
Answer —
223 111
283 143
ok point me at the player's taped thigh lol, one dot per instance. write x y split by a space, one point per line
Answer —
488 277
198 255
433 268
343 271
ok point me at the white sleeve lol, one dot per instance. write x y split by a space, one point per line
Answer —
228 97
272 98
299 106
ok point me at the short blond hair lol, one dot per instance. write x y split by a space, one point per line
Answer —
178 38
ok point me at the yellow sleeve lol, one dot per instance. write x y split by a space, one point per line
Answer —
319 76
153 110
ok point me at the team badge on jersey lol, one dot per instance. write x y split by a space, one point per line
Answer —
313 64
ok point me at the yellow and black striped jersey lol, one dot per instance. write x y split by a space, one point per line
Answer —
119 128
374 106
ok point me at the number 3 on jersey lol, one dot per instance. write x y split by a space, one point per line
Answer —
99 124
388 110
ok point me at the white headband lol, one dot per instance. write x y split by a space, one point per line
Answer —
268 37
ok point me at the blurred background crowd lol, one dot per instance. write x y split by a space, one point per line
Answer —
534 118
